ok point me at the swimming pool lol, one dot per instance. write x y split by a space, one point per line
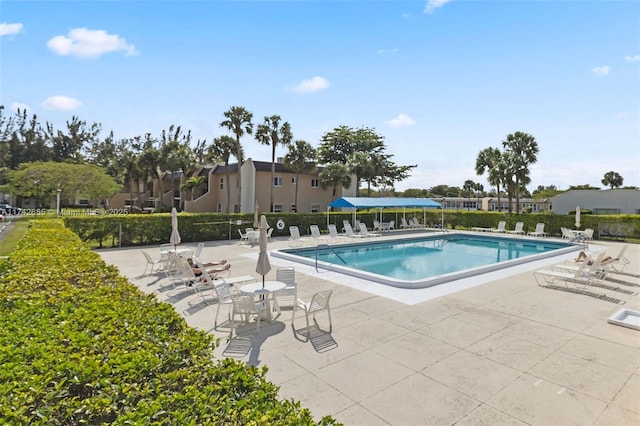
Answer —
425 261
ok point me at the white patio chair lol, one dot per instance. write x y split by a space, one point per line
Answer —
319 302
539 232
224 293
392 225
153 261
243 237
246 306
269 232
289 294
404 224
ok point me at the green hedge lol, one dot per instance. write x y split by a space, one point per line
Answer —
81 345
144 229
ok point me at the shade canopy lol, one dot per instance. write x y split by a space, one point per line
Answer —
382 202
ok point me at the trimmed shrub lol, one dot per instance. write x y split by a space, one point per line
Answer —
81 345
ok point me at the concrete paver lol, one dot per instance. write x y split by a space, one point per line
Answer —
503 352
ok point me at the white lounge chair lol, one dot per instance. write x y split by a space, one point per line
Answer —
315 234
618 263
404 224
539 232
319 302
415 224
546 277
333 233
518 229
348 231
365 233
595 269
295 239
502 227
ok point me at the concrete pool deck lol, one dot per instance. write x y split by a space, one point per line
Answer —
494 349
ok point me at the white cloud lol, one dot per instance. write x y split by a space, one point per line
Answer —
312 85
10 29
432 5
15 106
63 103
604 70
402 120
634 58
86 43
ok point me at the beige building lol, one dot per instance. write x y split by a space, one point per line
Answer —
211 196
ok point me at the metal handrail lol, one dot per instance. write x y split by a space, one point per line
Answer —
327 246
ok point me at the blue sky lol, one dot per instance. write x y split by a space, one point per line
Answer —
440 80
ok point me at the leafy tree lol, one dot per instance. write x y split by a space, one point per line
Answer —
220 151
72 179
238 121
272 133
363 150
300 159
521 150
70 146
335 175
542 192
415 193
192 183
612 179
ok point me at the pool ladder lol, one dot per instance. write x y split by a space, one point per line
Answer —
440 243
328 247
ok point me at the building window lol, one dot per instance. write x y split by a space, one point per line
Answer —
219 208
221 183
293 180
315 208
278 208
293 208
236 208
277 181
314 183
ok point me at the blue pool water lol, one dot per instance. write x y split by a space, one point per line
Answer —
425 261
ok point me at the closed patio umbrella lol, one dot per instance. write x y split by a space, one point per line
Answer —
578 217
175 235
263 267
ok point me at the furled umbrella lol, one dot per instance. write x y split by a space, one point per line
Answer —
175 235
578 217
256 222
263 267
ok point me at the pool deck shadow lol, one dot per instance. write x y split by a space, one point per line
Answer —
495 349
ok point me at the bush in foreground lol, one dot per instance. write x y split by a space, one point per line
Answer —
81 345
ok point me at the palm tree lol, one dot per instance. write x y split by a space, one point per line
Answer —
221 149
359 163
490 159
271 133
333 175
523 151
300 159
612 179
194 182
468 188
238 121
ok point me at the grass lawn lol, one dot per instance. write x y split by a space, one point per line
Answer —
12 235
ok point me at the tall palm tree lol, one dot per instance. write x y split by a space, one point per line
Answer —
300 159
490 160
238 121
334 175
220 151
359 163
272 133
523 150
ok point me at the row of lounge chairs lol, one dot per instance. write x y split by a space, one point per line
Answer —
295 239
518 230
585 273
